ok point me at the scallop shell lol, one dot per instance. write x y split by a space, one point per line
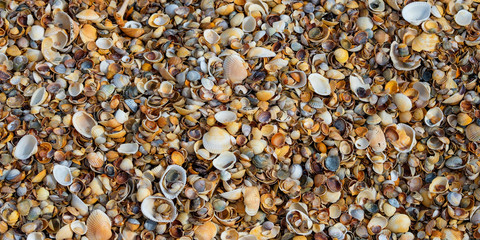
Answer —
79 227
403 102
472 132
83 123
62 175
128 148
434 117
211 36
99 226
180 178
260 52
147 208
463 17
217 140
38 97
26 147
251 197
79 205
225 117
319 84
416 12
425 42
224 161
234 69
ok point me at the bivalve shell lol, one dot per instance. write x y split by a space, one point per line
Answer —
173 181
217 140
320 84
62 175
83 123
26 147
416 12
234 69
99 226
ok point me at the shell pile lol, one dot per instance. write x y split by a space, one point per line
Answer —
239 119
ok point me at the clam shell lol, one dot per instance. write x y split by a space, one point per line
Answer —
133 29
306 223
425 42
128 148
434 117
79 227
403 102
79 205
232 195
83 123
438 185
302 82
399 64
320 84
217 140
88 14
64 233
207 231
147 208
234 69
36 236
463 17
416 12
180 176
399 223
75 89
226 117
251 197
472 132
36 32
260 52
99 226
211 36
376 224
62 175
26 147
231 33
104 43
376 137
38 97
249 24
359 87
224 161
158 19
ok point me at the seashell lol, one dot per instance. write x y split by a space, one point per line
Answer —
132 29
234 69
300 79
251 198
399 223
364 23
206 231
48 53
79 227
230 34
319 84
403 102
225 117
211 36
153 56
104 43
376 137
173 181
401 136
217 140
425 42
434 117
99 226
416 12
337 231
62 175
475 215
148 210
359 87
362 143
38 97
83 123
128 148
438 185
472 132
36 236
166 89
401 64
88 33
463 17
158 19
232 195
341 55
64 233
224 161
376 224
260 52
249 24
454 198
75 89
26 147
88 15
36 33
79 205
298 221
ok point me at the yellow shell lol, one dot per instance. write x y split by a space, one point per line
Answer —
425 42
399 223
341 55
234 69
99 226
473 132
217 140
251 198
206 232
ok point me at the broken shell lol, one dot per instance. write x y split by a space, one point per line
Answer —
425 42
83 123
234 69
128 148
319 84
224 161
298 221
26 147
438 185
399 223
463 17
232 195
217 140
260 52
299 77
225 117
359 87
211 36
416 12
376 138
148 209
79 227
99 226
434 117
79 205
173 181
376 224
62 175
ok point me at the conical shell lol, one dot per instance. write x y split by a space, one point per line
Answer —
251 197
99 226
83 123
128 148
26 147
148 209
224 161
434 117
463 17
79 205
320 84
62 175
425 42
416 12
217 140
234 69
225 117
79 227
472 132
173 181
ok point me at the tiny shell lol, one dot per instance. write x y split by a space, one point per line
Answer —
260 52
225 117
79 227
211 36
434 117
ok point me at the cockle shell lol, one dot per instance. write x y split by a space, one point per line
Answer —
36 32
217 140
173 181
26 147
402 101
147 208
434 117
399 223
224 161
376 224
401 136
438 185
62 175
416 12
251 197
234 69
425 42
64 233
99 226
133 29
463 17
83 123
249 24
88 14
320 84
207 231
472 132
104 43
302 82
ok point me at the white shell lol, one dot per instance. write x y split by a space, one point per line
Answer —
121 116
147 209
403 102
75 89
79 227
296 171
181 183
320 84
26 147
83 123
232 195
38 97
297 207
249 24
36 236
416 12
128 148
225 117
211 36
260 52
435 114
217 140
79 205
36 32
463 17
224 161
104 43
62 175
362 143
356 82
